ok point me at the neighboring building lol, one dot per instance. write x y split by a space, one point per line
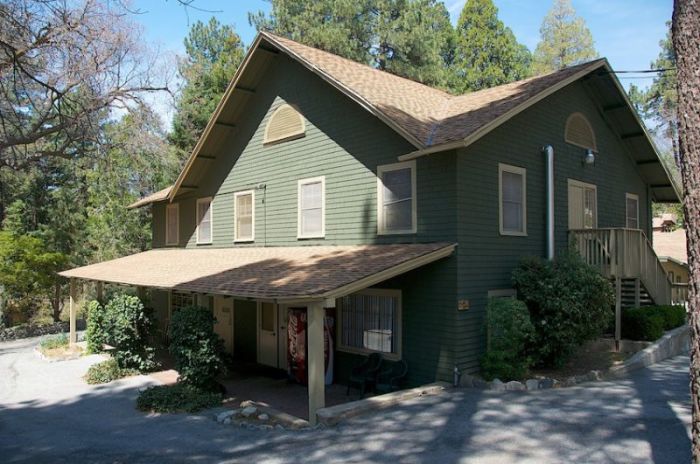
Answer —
671 247
323 183
665 223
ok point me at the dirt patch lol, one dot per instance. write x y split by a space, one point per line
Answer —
590 357
62 353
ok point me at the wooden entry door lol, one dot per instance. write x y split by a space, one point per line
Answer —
268 351
223 312
583 205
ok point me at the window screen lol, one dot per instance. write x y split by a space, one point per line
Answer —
311 208
370 322
204 221
244 216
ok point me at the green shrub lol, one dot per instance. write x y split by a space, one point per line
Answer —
195 347
509 330
107 371
97 331
180 397
569 302
129 323
55 341
648 323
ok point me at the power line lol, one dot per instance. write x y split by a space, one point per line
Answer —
645 71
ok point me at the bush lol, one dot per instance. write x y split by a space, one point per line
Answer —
180 397
97 331
128 324
107 371
569 303
649 323
56 341
195 347
509 330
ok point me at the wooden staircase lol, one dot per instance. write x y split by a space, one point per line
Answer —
633 296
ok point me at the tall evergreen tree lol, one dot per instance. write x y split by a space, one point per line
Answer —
486 51
565 40
410 38
214 52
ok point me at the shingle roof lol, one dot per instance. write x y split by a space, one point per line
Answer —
671 244
431 116
152 198
264 272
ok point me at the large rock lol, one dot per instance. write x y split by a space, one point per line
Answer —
223 416
532 384
263 417
497 385
249 411
515 386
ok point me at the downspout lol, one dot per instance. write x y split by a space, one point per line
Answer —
549 153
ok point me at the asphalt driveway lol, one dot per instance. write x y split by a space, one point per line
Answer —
48 414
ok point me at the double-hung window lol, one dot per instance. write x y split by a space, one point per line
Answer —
632 211
512 182
244 214
370 321
204 221
311 208
172 224
396 195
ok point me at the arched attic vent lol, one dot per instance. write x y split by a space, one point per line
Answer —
286 123
579 132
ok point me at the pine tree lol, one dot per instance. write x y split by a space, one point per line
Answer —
214 52
565 40
486 51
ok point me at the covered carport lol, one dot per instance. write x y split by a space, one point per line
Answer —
309 276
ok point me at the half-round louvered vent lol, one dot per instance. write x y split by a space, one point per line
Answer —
579 132
286 123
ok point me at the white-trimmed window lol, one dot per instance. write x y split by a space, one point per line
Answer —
583 205
396 198
311 207
632 211
512 200
244 216
179 300
172 224
204 221
370 321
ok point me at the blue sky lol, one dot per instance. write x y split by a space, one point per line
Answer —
627 32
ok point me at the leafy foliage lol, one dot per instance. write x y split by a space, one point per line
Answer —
509 331
487 53
129 324
107 371
54 341
410 38
214 51
180 397
649 322
195 347
569 303
565 40
97 332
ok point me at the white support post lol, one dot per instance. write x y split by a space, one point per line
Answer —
99 289
314 328
72 308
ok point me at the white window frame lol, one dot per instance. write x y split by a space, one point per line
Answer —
201 201
395 293
236 239
300 184
381 229
170 301
585 185
168 239
635 197
521 172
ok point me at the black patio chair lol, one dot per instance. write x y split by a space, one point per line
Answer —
390 379
365 375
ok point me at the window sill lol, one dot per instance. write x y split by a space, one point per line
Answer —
513 234
309 237
204 243
244 240
365 352
396 232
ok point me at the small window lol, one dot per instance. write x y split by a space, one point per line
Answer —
204 221
396 195
244 216
179 300
579 132
512 182
286 123
670 275
632 210
370 321
311 206
172 224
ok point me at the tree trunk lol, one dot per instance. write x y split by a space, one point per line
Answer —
56 302
686 42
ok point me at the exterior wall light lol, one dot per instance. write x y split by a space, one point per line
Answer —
589 158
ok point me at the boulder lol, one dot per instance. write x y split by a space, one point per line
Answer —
263 417
515 386
248 411
497 385
532 384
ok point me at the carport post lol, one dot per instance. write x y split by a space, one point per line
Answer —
99 289
314 326
72 308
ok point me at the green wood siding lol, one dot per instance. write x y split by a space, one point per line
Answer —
486 258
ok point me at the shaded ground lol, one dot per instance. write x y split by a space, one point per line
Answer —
48 414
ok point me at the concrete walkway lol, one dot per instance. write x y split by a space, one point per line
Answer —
48 414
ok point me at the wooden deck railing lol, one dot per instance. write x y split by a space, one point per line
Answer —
624 254
679 293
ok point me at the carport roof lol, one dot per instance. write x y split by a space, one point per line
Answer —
266 273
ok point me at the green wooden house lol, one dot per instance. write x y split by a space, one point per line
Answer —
388 211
